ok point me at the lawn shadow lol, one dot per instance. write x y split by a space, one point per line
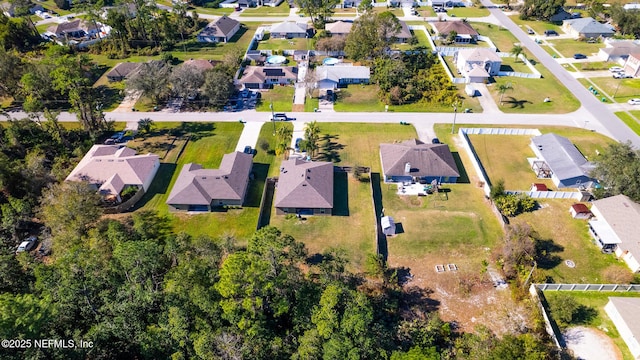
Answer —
159 185
399 228
108 96
506 68
546 251
464 177
256 186
197 130
340 193
329 151
419 298
382 245
514 103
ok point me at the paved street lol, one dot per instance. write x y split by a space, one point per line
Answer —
600 116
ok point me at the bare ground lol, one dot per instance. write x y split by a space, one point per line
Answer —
591 344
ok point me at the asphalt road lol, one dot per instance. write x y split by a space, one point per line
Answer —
599 113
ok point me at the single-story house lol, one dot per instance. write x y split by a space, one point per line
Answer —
334 76
112 168
477 65
632 66
631 6
201 64
563 15
219 31
75 29
580 211
616 227
122 71
618 50
465 33
289 30
258 77
404 34
557 158
198 189
256 56
339 28
586 27
247 3
539 187
623 311
228 4
388 225
304 187
413 160
272 3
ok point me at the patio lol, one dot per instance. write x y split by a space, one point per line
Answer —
415 189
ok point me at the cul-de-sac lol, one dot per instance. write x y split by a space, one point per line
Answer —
320 179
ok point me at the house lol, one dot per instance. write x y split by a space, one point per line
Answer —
289 30
76 29
616 227
404 34
219 31
413 160
255 56
257 77
301 55
272 3
246 3
618 50
557 158
304 187
339 28
201 64
539 187
198 189
465 33
562 15
122 71
340 75
228 4
586 27
580 211
112 168
623 311
477 65
632 66
9 9
388 225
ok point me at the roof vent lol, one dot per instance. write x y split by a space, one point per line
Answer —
304 184
217 177
204 178
407 168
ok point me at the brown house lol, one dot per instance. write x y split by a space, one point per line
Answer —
122 71
305 187
413 160
198 189
464 32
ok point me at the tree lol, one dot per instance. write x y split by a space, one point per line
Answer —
519 249
617 169
186 81
17 34
145 125
11 70
284 135
451 37
497 190
516 51
151 79
503 88
540 9
319 10
332 43
312 135
371 35
218 87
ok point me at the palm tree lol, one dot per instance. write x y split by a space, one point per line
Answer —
503 88
284 134
311 134
516 51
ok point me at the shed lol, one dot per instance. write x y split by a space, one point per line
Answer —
388 226
539 187
580 211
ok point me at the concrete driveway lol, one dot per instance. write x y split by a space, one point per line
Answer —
249 136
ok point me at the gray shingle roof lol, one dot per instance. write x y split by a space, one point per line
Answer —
460 27
564 159
198 186
628 308
123 69
222 27
623 216
288 27
425 159
305 184
337 72
339 27
589 26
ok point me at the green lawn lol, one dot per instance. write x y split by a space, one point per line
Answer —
285 44
281 10
211 11
280 96
602 322
465 12
588 84
312 103
395 11
538 26
527 95
568 47
511 64
426 11
268 156
209 142
631 119
501 37
626 88
593 66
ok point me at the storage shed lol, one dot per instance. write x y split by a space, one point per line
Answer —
580 211
388 226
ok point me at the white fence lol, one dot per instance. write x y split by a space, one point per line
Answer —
535 74
475 161
549 194
501 131
589 287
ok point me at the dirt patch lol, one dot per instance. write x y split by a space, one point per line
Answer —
591 344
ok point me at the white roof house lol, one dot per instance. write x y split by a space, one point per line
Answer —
289 29
617 223
477 64
624 311
112 167
330 77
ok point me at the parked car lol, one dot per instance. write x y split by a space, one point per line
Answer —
621 75
616 69
280 117
530 31
579 56
551 33
297 145
27 245
435 141
633 102
248 150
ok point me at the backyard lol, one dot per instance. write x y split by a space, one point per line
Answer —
568 47
267 43
280 96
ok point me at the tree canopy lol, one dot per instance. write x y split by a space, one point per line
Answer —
540 9
618 170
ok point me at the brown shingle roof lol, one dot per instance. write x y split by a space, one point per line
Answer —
123 70
425 159
258 74
198 186
201 64
305 184
222 27
460 27
339 27
71 26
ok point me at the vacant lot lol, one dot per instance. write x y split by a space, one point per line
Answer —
465 12
538 26
281 10
631 119
501 37
568 47
624 89
280 96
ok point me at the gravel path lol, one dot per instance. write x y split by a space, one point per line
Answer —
591 344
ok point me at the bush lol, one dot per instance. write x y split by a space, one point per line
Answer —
263 144
497 189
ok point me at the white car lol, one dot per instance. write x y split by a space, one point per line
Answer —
27 245
616 69
633 102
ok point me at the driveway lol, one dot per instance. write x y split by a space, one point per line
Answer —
600 115
487 102
249 136
591 344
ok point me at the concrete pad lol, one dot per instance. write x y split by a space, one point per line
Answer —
249 136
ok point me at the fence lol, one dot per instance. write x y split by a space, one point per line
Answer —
576 195
475 161
264 216
551 327
125 205
500 131
589 287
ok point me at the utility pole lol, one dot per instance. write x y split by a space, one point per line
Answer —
455 113
273 119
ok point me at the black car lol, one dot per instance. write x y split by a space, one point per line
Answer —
435 141
579 56
248 150
551 33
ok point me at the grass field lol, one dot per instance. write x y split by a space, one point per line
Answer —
597 301
465 12
568 47
211 11
280 96
395 11
600 95
281 10
538 26
501 37
208 143
511 64
624 89
632 120
288 44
